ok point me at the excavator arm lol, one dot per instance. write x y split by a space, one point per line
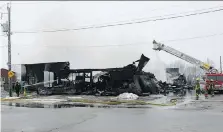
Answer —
192 60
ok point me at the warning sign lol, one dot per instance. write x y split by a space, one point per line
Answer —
10 74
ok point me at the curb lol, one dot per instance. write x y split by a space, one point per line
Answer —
8 99
92 102
207 101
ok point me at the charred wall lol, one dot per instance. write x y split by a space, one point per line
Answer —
36 71
172 73
172 70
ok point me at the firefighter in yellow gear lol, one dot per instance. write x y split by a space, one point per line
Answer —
211 87
206 90
197 88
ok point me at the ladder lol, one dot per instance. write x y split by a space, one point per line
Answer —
205 66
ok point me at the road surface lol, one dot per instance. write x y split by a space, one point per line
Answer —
199 117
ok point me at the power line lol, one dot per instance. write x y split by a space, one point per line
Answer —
126 23
197 37
38 2
130 44
179 13
59 2
155 9
88 46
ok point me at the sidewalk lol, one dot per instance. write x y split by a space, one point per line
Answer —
91 101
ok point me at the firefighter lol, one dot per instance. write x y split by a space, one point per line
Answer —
211 87
206 90
197 88
165 87
17 88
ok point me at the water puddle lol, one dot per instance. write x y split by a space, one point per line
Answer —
41 105
69 105
60 103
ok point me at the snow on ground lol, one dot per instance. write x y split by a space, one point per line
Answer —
187 101
7 97
157 96
4 93
128 96
162 100
74 97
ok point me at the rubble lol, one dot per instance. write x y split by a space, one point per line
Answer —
108 82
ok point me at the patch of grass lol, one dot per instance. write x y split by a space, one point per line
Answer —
84 101
111 102
134 102
140 103
117 102
26 97
8 99
160 104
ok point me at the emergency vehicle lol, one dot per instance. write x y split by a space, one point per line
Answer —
218 80
211 72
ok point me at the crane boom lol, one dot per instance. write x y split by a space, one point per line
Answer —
192 60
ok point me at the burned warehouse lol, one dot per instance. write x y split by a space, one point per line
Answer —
58 78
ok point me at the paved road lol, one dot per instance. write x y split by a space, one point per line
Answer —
21 119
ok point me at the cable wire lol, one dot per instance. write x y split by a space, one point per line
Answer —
84 46
130 44
172 6
126 23
38 2
173 14
197 37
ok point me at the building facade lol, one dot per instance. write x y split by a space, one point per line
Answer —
4 77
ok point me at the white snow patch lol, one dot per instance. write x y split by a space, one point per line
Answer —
7 97
162 100
74 97
170 94
128 96
157 96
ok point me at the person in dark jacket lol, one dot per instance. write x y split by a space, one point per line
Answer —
212 87
165 87
13 86
17 88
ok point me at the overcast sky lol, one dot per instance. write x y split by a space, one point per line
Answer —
65 46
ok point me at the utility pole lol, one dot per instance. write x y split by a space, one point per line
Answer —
7 29
9 48
220 65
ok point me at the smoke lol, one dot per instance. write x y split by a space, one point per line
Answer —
157 67
74 46
23 70
160 70
190 71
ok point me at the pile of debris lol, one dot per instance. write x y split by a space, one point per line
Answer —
109 82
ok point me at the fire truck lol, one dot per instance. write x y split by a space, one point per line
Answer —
211 72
